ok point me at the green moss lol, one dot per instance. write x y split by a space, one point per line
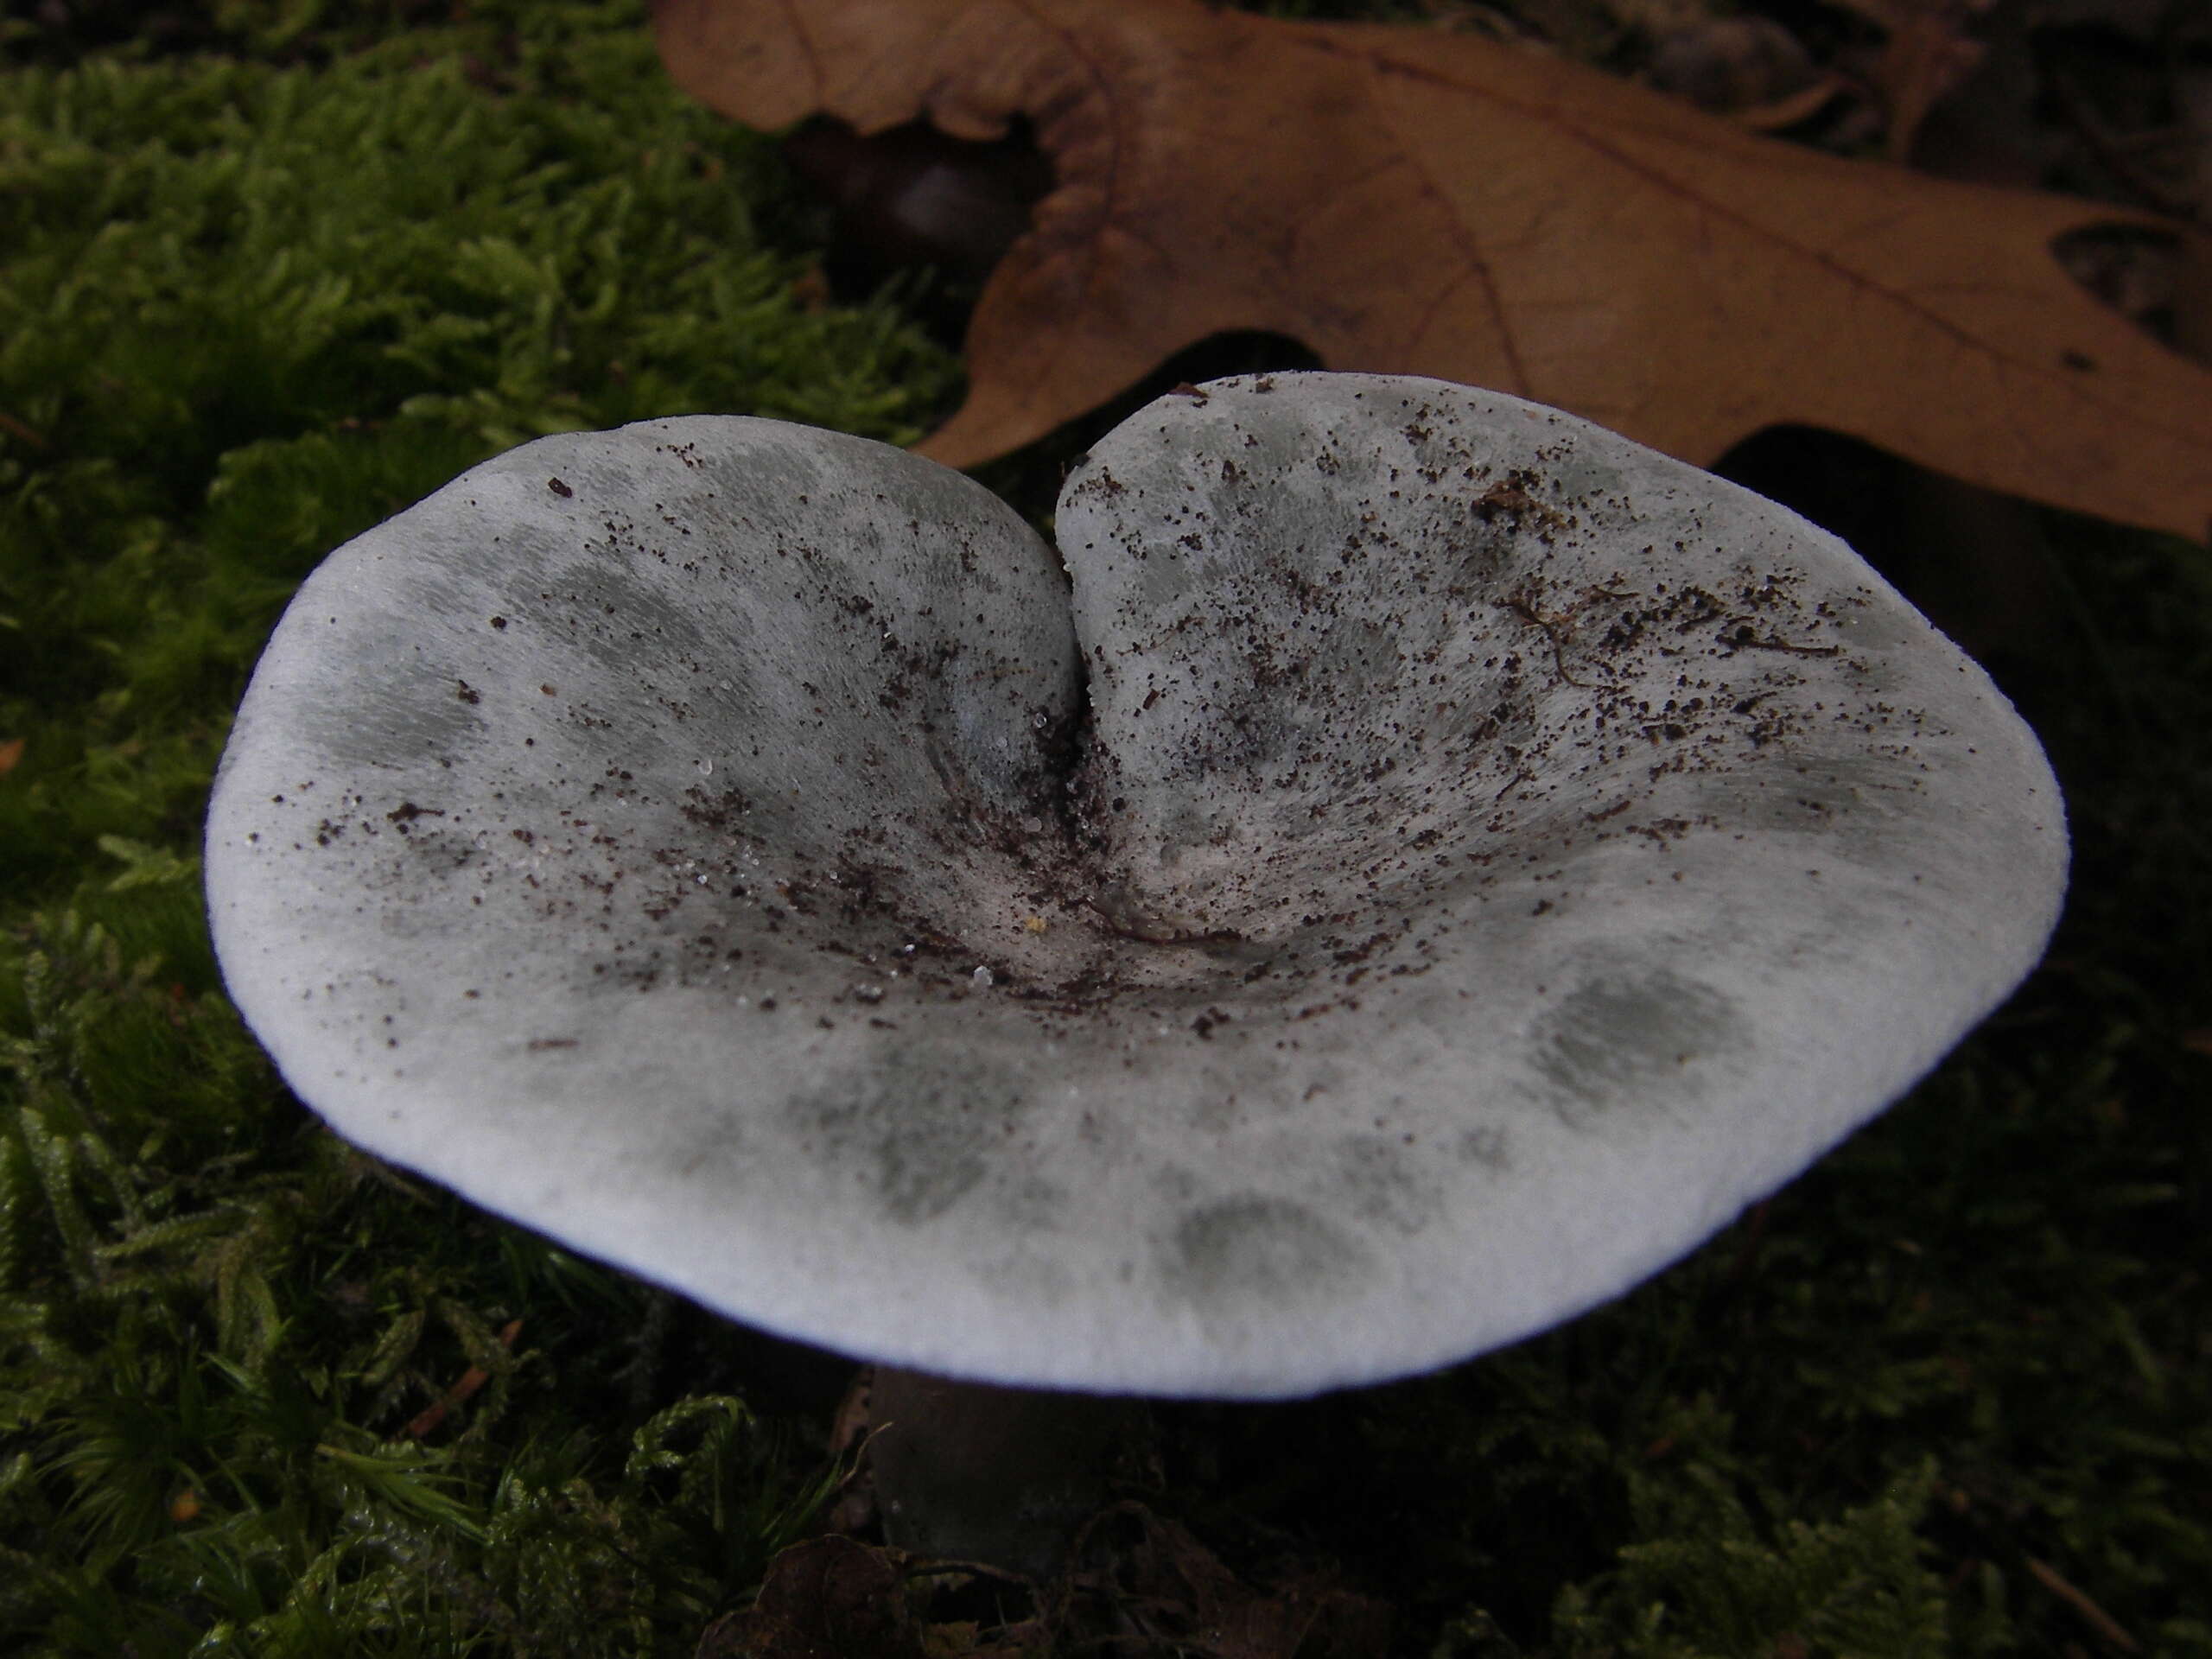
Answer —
1948 1392
248 311
1713 1581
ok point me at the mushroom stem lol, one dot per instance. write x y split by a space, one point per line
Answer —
1005 1476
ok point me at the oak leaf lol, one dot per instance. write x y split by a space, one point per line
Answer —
1407 201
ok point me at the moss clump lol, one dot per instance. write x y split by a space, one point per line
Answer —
248 311
256 1393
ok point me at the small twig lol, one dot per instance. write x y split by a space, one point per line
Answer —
471 1380
937 1566
2099 1620
1742 639
1801 105
2112 156
1549 627
31 435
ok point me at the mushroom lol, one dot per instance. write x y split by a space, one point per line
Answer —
1437 864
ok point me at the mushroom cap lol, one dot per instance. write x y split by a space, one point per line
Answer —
1440 864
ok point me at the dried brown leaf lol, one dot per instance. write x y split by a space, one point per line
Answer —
1151 1576
826 1597
1411 201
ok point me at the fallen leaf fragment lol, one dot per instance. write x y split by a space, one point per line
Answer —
11 753
826 1596
1410 200
1150 1576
